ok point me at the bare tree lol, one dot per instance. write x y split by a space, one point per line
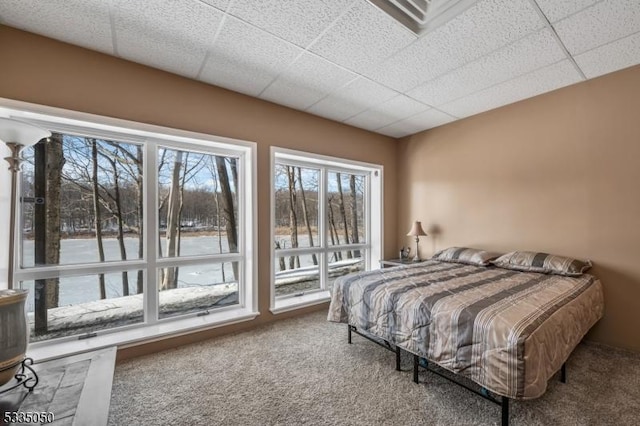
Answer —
343 214
333 232
305 213
294 261
55 162
173 221
228 207
96 212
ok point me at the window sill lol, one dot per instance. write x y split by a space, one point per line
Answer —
293 303
44 351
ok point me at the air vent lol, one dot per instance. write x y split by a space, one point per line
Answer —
422 16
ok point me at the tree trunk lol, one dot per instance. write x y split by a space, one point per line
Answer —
305 214
119 219
332 229
40 236
343 213
173 220
294 261
354 214
96 212
55 162
228 208
216 199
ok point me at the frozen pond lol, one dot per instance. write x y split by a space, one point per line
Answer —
85 288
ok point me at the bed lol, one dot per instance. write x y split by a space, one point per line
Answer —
508 331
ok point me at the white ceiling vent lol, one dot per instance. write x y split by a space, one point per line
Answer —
421 16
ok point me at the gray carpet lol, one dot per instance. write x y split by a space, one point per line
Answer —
302 371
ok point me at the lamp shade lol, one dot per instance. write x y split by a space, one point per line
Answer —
416 230
25 134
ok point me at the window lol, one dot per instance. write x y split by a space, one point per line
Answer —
326 222
122 228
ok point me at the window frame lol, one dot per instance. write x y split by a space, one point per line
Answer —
373 199
151 137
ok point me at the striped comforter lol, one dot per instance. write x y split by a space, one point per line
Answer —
506 330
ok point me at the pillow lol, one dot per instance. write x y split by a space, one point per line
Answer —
544 263
469 256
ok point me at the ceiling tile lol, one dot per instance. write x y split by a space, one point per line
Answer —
417 123
602 23
298 21
488 25
166 34
393 110
352 99
611 57
240 46
84 23
543 80
555 10
527 54
362 37
306 81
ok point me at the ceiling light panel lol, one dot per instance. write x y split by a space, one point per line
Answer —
525 55
543 80
481 29
166 34
306 81
602 23
393 110
555 10
611 57
240 46
81 22
297 21
352 99
362 37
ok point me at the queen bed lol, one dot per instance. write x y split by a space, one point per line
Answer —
507 330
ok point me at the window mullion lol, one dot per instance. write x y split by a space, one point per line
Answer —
151 298
323 224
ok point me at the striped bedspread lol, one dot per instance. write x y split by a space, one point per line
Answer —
506 330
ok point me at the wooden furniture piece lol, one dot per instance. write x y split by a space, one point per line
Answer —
76 389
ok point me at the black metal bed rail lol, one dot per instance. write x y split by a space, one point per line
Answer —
502 401
386 345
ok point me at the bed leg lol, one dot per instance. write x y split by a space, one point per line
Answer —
416 362
349 336
398 358
505 411
563 373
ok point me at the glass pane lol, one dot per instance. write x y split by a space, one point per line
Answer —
197 203
297 274
345 209
197 288
343 263
296 206
81 201
82 304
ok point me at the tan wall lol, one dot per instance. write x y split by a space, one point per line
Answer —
47 72
558 173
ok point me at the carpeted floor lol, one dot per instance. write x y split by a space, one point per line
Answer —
302 371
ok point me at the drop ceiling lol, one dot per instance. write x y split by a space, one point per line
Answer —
349 61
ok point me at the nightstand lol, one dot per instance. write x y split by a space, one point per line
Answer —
387 263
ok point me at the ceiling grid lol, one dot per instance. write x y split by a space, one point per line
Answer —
348 60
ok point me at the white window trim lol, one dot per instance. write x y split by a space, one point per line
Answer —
374 222
130 131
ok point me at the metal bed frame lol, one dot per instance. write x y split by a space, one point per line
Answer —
502 401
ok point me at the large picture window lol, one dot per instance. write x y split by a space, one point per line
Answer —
120 230
326 222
